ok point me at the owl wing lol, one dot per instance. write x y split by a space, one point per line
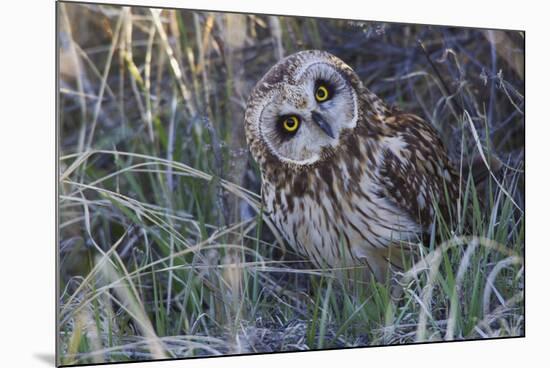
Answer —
416 172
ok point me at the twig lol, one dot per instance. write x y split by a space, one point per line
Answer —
448 93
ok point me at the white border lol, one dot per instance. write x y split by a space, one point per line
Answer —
27 195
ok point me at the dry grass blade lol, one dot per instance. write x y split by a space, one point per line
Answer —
103 84
464 263
76 163
64 313
492 276
482 154
130 301
174 64
431 263
248 196
76 63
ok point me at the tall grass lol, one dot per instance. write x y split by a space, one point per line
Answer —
164 249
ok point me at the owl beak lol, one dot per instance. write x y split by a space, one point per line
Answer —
322 123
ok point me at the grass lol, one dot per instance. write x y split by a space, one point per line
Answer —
163 247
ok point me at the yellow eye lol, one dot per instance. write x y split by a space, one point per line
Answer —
291 124
321 94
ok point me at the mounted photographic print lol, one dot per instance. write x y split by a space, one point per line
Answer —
236 184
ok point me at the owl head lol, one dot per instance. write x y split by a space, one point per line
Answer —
298 112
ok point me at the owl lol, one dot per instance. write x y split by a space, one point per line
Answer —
346 179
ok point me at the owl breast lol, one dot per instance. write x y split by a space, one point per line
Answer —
339 217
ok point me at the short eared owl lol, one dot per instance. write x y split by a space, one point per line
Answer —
345 178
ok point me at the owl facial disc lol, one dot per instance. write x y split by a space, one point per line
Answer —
301 107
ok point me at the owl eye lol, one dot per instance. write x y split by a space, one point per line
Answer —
291 123
322 93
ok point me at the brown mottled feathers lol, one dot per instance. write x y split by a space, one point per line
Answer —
374 188
425 176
